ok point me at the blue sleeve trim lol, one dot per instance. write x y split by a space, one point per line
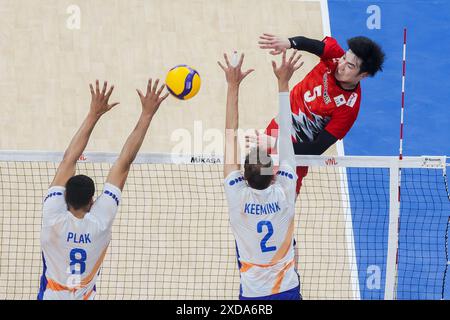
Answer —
112 195
285 174
53 194
236 181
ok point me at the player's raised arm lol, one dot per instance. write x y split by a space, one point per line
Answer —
277 44
234 76
99 106
150 104
284 73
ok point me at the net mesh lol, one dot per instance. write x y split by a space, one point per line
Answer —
171 238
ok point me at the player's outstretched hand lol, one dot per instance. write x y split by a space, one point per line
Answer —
100 99
260 140
273 42
152 100
287 68
233 72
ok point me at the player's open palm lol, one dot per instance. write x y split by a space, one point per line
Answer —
277 44
100 99
152 99
233 72
260 140
287 68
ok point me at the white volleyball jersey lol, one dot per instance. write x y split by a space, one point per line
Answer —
262 222
73 249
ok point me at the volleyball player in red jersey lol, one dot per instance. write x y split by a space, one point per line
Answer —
325 104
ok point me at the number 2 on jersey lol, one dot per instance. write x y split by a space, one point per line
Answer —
264 240
80 260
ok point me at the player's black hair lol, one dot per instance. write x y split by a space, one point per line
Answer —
79 191
369 52
258 169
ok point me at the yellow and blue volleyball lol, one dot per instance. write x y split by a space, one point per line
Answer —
183 82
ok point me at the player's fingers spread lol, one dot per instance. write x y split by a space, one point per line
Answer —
105 85
161 89
241 60
220 65
109 92
140 94
155 86
274 66
226 60
283 56
297 58
248 72
269 43
291 58
97 87
149 86
299 66
113 105
164 97
92 90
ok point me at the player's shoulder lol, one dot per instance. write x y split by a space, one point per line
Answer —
234 178
54 191
286 170
112 192
332 48
286 175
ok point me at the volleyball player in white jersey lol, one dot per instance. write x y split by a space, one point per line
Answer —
261 204
76 230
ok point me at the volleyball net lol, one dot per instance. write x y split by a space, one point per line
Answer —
171 238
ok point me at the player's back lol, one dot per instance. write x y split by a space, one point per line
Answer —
262 222
73 249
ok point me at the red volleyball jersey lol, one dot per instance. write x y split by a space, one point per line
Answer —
319 103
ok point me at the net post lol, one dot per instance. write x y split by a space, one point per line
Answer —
390 291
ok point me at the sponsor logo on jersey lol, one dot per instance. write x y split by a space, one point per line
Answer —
326 96
352 100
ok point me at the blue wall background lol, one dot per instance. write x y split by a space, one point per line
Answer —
424 204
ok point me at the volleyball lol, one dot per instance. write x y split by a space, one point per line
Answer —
183 82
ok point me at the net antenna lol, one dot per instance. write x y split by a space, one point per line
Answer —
394 223
447 260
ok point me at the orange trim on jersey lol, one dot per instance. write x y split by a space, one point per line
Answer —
281 253
280 277
87 295
245 266
55 286
85 281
